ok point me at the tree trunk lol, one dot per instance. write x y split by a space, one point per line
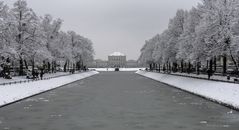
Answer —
65 65
164 67
207 64
159 67
78 65
48 67
150 66
198 67
182 66
68 66
25 62
21 67
74 67
224 65
82 64
211 65
185 68
53 66
175 67
215 63
170 67
33 66
167 67
189 67
234 61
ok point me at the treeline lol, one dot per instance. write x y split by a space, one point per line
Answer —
197 39
27 39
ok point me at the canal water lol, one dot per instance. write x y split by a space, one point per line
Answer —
117 101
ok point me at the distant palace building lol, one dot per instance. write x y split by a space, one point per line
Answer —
117 59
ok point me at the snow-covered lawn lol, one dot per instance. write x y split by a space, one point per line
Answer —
221 92
121 69
214 77
12 93
23 78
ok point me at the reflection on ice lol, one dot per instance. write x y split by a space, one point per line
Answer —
6 128
41 98
181 103
26 108
218 125
230 112
46 100
232 117
203 122
196 103
226 126
31 100
55 115
52 93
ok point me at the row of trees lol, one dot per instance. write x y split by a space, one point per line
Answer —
197 37
32 40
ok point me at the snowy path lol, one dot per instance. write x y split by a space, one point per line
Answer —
224 93
12 93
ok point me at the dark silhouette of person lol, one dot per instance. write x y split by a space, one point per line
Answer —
42 73
209 72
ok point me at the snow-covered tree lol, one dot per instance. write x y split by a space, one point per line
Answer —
24 22
216 28
206 32
175 30
7 46
39 41
147 51
187 38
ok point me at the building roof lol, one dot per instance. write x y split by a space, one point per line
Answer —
117 54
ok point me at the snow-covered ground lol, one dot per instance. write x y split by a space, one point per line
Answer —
221 92
113 69
23 78
214 77
12 93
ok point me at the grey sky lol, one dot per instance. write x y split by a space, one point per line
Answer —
113 25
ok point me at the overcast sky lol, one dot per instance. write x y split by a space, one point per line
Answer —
113 25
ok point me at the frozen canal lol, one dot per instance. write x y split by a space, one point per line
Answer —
117 101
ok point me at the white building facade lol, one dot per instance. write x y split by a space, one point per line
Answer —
117 59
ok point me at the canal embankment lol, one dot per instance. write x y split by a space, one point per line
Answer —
221 92
12 93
